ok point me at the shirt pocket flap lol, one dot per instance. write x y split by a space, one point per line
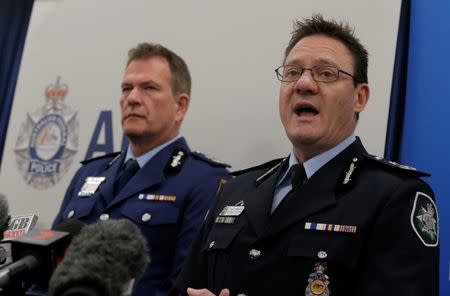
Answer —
326 246
78 208
151 213
220 238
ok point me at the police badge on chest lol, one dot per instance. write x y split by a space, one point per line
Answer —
318 281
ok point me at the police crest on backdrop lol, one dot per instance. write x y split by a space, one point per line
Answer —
47 140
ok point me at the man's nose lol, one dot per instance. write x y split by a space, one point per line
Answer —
306 83
133 97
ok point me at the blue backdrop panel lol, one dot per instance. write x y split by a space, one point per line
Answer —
426 128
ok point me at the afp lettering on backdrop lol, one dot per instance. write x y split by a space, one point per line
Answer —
48 139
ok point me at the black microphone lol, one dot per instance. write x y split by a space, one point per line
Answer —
4 222
36 254
19 225
4 214
103 260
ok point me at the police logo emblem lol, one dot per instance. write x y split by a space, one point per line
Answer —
318 281
48 140
424 220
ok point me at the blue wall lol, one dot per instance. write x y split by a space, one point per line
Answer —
426 129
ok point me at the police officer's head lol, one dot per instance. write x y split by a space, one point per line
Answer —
155 96
323 85
340 31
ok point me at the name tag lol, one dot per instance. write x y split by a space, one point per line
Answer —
225 220
91 185
232 211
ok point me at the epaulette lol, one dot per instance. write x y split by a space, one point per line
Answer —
212 161
115 155
396 166
266 165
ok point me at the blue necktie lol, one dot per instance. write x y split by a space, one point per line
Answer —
128 170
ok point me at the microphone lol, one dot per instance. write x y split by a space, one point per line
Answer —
36 254
4 214
103 260
19 225
5 249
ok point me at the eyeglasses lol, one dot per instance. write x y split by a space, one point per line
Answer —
289 73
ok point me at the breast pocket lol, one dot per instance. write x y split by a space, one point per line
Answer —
335 257
216 248
79 208
337 248
151 213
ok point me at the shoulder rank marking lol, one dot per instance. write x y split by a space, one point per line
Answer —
393 164
210 160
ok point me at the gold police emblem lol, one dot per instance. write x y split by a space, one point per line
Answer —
318 281
317 287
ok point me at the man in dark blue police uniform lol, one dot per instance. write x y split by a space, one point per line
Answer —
329 219
158 182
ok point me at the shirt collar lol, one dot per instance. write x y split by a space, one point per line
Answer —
314 164
144 158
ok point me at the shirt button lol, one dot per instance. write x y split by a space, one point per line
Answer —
211 244
254 254
70 214
104 217
322 254
146 217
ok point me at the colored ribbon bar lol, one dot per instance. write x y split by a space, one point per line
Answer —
331 227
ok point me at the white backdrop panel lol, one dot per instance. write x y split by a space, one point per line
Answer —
231 48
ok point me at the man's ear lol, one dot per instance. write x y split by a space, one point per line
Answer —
182 102
362 97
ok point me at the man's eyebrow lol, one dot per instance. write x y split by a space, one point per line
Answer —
150 81
318 62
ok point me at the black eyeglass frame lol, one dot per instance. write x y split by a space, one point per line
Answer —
280 76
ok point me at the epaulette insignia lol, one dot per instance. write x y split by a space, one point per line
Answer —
265 165
268 173
116 155
210 160
393 165
176 161
350 174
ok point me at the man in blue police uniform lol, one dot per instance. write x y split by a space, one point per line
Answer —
329 219
158 182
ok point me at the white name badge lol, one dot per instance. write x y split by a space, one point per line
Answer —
91 185
232 211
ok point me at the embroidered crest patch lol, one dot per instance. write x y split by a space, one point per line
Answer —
424 220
